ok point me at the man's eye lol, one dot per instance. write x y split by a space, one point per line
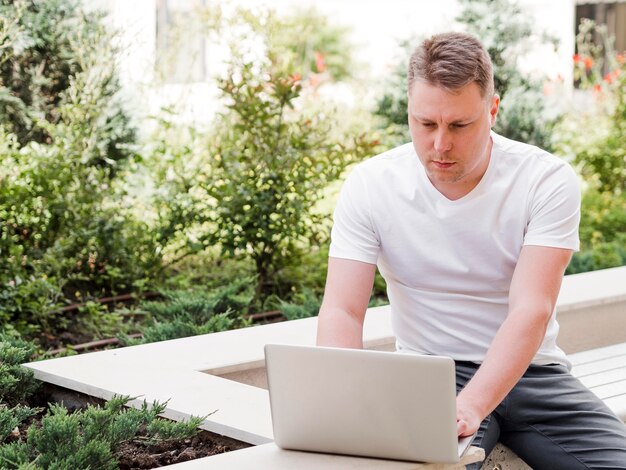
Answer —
459 126
428 124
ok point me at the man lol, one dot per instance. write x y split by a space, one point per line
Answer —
472 233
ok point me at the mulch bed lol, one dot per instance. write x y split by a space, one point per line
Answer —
136 455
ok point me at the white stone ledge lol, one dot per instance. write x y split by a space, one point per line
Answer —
584 290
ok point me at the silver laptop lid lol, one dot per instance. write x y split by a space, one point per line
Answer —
360 402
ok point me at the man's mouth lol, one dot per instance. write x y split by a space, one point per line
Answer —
442 165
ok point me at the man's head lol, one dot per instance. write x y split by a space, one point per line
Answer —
452 107
451 61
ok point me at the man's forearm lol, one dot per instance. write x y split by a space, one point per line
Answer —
509 355
338 328
532 296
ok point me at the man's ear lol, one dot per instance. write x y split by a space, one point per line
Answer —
493 110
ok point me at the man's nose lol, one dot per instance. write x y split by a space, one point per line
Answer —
443 141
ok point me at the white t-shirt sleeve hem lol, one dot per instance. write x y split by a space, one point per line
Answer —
352 256
566 245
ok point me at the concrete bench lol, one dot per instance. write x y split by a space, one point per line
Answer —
603 370
225 372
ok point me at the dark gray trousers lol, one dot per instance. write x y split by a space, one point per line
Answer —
552 422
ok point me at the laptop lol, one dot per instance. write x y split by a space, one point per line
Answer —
365 403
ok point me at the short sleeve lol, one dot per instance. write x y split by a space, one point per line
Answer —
555 209
353 235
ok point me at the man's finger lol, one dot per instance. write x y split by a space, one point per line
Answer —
461 427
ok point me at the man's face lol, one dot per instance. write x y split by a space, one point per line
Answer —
450 133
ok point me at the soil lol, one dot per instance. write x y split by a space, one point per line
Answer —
136 455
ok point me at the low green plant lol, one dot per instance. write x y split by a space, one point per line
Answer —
17 384
89 438
11 418
96 320
190 313
304 304
183 327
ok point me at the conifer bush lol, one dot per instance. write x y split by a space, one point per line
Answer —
195 312
11 418
17 384
89 438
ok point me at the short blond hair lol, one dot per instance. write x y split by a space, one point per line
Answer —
451 61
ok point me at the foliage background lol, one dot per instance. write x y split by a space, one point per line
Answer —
91 210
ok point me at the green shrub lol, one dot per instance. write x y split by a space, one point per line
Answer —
17 383
89 438
249 185
305 304
11 418
600 151
45 45
65 150
190 313
269 168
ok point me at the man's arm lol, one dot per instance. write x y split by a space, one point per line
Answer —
346 295
532 297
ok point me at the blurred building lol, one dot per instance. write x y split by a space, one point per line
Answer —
164 65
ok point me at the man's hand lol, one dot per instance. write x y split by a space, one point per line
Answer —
467 419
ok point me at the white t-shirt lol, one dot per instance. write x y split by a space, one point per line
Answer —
448 264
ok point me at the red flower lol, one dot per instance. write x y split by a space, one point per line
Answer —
588 62
576 58
609 77
597 88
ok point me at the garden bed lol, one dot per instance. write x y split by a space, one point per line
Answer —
141 452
